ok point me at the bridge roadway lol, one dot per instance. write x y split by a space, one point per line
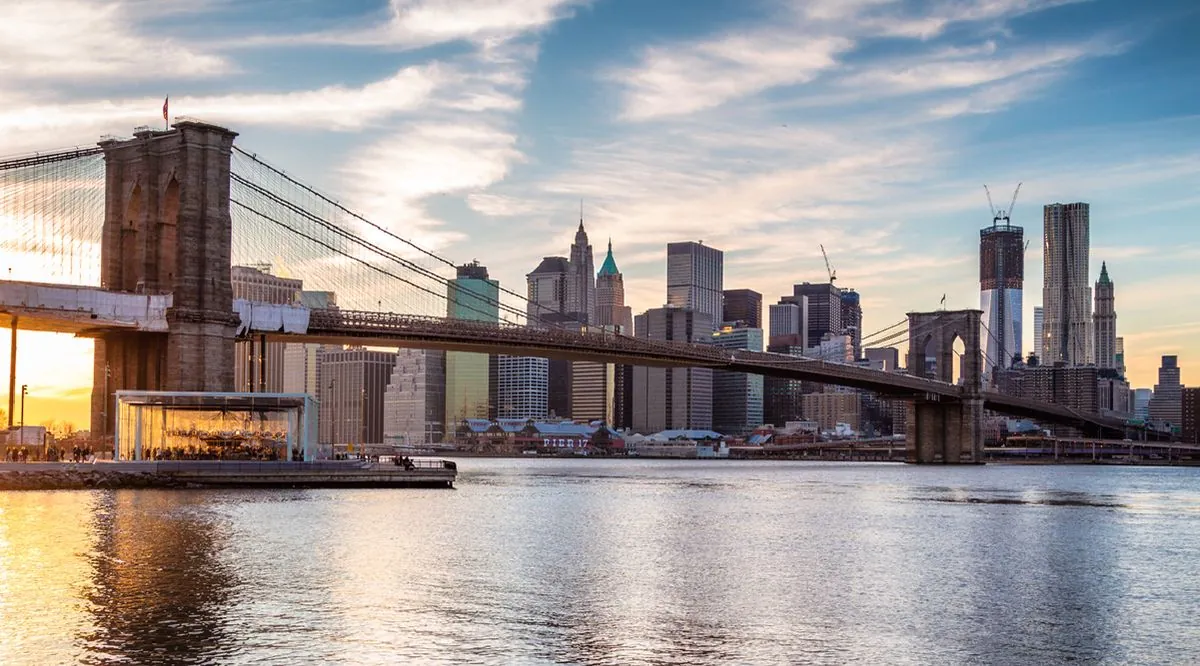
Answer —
374 328
90 311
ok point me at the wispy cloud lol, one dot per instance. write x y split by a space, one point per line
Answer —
51 41
411 24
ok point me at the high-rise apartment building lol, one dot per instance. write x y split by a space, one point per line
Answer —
665 398
1038 331
737 396
414 402
1001 280
1166 405
744 307
852 320
832 406
593 391
351 391
1190 415
696 278
1066 290
522 390
471 295
1104 321
255 283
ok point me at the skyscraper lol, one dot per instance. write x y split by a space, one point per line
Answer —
610 296
1001 280
547 288
1167 403
1104 321
666 398
824 313
695 278
1038 331
414 402
744 306
521 392
351 395
472 296
1120 355
256 283
788 324
597 388
852 320
1066 291
581 292
737 396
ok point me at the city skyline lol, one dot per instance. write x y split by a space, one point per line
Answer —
662 150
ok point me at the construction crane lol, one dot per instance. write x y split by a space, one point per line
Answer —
1002 214
828 268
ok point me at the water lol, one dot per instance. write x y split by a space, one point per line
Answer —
617 562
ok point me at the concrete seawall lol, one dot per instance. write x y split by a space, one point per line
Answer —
200 474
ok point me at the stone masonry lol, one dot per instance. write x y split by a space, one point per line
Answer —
167 229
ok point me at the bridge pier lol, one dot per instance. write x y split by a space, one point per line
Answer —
167 229
945 432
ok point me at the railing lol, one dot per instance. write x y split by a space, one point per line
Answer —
358 323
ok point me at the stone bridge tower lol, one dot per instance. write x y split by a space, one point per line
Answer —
167 229
940 430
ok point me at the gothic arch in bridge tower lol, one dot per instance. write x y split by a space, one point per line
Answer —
935 333
168 249
132 235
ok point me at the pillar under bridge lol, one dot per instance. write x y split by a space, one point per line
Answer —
940 429
167 229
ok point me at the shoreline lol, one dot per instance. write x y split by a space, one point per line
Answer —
224 474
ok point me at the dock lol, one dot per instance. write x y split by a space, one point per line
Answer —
424 473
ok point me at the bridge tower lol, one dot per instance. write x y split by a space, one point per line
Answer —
941 430
167 229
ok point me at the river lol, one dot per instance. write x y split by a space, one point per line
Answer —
618 562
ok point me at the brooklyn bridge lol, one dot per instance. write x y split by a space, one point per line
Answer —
137 238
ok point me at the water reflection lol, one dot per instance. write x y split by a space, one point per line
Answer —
616 562
159 593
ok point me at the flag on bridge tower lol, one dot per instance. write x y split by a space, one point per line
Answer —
165 101
943 301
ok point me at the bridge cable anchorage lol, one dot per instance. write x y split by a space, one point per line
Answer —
538 307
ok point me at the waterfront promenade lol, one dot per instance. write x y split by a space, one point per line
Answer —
204 473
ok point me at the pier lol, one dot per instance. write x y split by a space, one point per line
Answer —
423 473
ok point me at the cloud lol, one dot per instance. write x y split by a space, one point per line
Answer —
334 107
417 23
811 42
71 40
678 81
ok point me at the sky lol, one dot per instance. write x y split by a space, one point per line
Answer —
765 128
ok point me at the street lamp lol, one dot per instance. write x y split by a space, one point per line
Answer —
24 392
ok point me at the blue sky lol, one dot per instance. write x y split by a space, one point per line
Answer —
763 127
